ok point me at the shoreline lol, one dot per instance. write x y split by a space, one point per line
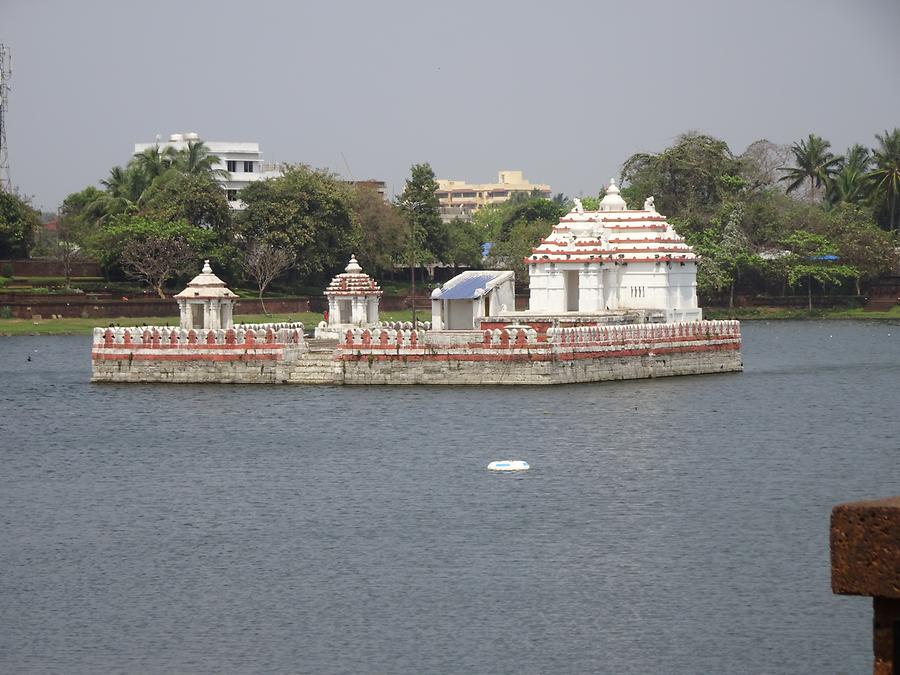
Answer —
16 327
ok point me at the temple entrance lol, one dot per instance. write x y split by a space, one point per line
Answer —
570 280
345 311
196 315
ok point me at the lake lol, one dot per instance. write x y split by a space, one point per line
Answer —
677 525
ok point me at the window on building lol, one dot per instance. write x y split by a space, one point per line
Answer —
248 167
232 165
231 195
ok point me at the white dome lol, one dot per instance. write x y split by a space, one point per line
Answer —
611 200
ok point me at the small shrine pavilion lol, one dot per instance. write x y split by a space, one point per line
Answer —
206 303
352 301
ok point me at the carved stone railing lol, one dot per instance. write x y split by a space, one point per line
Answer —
618 334
247 335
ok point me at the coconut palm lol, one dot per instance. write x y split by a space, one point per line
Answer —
123 188
851 183
195 159
813 162
885 176
154 162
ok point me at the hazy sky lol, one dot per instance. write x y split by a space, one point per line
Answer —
565 91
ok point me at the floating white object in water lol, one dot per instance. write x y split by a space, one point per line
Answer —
508 465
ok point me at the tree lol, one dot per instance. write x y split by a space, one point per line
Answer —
18 224
689 181
383 230
67 251
761 163
813 162
427 238
306 211
812 257
263 262
196 160
511 251
194 197
724 256
522 225
157 259
123 242
123 189
886 175
850 183
465 240
859 242
154 162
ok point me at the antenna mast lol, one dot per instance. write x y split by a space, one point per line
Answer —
5 74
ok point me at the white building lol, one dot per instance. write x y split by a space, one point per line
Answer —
614 259
242 161
462 302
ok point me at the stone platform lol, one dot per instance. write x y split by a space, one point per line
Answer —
279 354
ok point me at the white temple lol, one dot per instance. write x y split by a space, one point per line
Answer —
352 301
614 259
206 302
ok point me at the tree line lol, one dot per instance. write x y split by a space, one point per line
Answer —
771 219
777 217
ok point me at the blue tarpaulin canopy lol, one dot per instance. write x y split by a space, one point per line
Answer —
467 286
827 258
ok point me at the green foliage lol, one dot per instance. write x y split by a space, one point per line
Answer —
5 312
859 242
194 197
383 231
112 240
590 203
464 240
518 226
688 180
306 211
885 178
18 225
813 162
427 240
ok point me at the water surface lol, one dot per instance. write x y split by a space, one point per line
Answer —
677 525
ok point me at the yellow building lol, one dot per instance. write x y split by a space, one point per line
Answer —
459 199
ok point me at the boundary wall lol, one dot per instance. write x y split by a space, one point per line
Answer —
270 354
521 355
251 354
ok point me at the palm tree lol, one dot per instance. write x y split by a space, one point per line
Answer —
886 174
154 162
123 188
851 183
814 162
195 159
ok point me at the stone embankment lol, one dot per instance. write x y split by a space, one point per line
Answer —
271 354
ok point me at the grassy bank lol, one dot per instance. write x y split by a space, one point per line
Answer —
780 313
86 326
310 319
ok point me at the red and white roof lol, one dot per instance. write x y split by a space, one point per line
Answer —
613 234
353 282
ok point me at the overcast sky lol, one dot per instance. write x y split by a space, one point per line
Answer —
565 91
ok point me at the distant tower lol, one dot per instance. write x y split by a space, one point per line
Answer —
5 74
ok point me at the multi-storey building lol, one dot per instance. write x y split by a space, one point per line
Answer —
242 161
459 199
